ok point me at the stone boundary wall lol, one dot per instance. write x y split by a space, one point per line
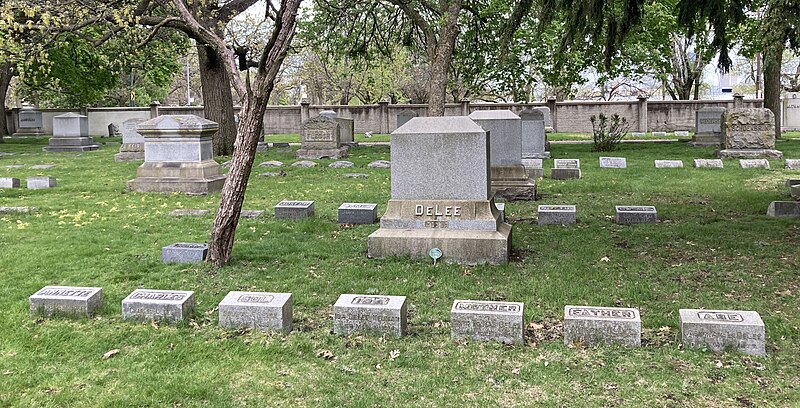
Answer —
567 116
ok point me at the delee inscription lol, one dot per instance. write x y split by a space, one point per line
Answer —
431 210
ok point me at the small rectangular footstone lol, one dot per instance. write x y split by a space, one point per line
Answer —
682 133
358 213
260 310
171 306
635 214
791 164
188 213
669 164
754 163
294 210
9 182
66 300
720 329
17 210
708 163
613 163
250 214
484 321
602 325
368 314
784 209
557 214
184 252
41 182
659 134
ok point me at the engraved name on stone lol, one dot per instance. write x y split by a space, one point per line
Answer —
357 206
256 298
709 121
721 316
487 307
295 203
567 163
637 208
436 210
64 292
557 208
318 135
370 300
158 296
601 313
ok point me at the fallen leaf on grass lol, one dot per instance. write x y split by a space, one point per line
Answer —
605 259
394 354
326 354
110 353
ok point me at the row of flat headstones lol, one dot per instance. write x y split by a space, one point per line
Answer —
621 163
388 316
32 182
623 214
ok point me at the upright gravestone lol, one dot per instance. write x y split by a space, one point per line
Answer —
548 119
178 156
365 314
533 137
602 325
721 329
29 123
404 116
635 214
261 310
132 147
510 180
749 133
482 321
566 169
66 300
708 127
791 111
320 138
346 128
172 306
441 196
70 134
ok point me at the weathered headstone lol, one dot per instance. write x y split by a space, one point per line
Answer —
358 213
613 163
380 164
184 252
294 210
784 209
36 183
321 138
548 118
791 111
17 210
70 134
132 147
260 310
668 164
534 167
682 133
754 163
178 156
43 166
66 300
602 325
533 135
708 127
708 163
171 306
749 133
509 178
182 212
404 116
355 175
482 321
341 164
250 214
440 195
720 329
557 214
791 164
566 169
346 130
635 214
367 314
9 182
29 122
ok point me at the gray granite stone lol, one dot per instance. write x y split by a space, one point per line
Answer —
557 214
548 118
41 182
340 164
669 164
792 182
784 209
613 163
502 208
380 164
659 134
749 133
250 214
592 326
184 252
533 135
566 163
280 144
132 148
70 134
638 134
14 166
708 163
487 321
259 310
754 163
508 176
188 213
682 133
9 182
29 123
533 167
304 163
346 130
17 210
367 314
791 164
273 174
355 175
404 116
770 154
709 120
358 213
66 300
717 330
43 166
564 174
294 210
171 306
321 138
635 214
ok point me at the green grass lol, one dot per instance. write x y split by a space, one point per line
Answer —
713 248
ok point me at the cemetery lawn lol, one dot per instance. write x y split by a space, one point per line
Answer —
712 248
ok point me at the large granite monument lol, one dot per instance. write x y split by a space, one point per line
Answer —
29 123
70 134
509 179
321 138
441 196
749 133
178 156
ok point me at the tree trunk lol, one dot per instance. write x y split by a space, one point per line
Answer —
441 58
5 82
217 99
773 57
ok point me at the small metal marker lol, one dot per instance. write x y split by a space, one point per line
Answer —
435 253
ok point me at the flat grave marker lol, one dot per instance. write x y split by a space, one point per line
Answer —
66 300
791 164
720 329
754 163
557 214
184 252
566 169
708 163
784 209
260 310
635 214
36 183
357 213
602 325
172 306
294 210
613 163
669 164
369 314
485 321
9 182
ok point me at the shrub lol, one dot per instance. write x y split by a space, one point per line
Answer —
607 136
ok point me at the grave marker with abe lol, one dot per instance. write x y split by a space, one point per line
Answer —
66 300
602 325
367 314
260 310
720 329
483 320
171 306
